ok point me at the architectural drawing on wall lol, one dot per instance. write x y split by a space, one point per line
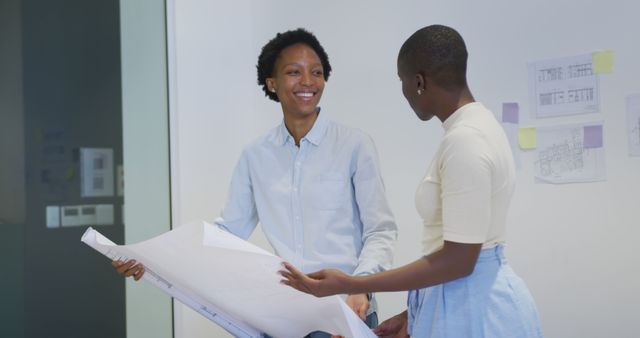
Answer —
570 154
96 172
563 86
633 124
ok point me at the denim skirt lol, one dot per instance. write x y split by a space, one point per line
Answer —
491 302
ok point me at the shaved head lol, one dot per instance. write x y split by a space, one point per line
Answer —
438 52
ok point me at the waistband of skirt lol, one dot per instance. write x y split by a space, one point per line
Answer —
495 253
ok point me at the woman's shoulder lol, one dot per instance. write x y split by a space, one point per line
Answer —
347 132
266 140
348 137
464 132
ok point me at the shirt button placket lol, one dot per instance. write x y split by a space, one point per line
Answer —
297 208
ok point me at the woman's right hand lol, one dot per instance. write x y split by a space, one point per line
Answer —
129 268
394 327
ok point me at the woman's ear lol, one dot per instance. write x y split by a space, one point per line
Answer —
271 84
421 83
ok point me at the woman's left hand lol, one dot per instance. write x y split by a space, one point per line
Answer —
322 283
359 303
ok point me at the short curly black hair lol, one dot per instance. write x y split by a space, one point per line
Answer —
440 51
273 48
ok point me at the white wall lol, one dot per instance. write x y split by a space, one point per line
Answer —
212 116
573 244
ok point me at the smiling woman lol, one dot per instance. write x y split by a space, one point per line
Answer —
292 70
332 196
298 79
313 184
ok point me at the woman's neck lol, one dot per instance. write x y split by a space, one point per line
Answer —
298 126
453 100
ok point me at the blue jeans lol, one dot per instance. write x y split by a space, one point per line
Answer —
371 321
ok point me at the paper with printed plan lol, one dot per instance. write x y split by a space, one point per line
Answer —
570 153
563 86
232 283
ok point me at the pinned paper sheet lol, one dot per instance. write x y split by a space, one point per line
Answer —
602 62
565 86
510 112
592 136
527 138
571 153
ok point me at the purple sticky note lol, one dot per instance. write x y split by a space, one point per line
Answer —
510 112
593 136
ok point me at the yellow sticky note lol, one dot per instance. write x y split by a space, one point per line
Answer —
527 138
602 61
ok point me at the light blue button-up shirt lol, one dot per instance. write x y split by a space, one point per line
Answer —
321 205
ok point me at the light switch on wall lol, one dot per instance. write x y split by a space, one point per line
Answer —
90 214
104 214
53 216
70 216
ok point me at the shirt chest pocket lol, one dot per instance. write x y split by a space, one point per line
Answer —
328 192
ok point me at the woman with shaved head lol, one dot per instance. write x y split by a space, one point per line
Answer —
462 286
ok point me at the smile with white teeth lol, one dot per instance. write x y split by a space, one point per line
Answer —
304 94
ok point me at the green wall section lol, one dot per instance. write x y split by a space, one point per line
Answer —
145 114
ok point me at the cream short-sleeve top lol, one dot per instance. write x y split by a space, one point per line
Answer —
466 192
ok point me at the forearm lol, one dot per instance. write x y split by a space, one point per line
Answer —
453 261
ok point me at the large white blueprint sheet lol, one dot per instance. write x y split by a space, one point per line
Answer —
232 283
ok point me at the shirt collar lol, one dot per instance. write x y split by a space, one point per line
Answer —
458 115
319 129
314 136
